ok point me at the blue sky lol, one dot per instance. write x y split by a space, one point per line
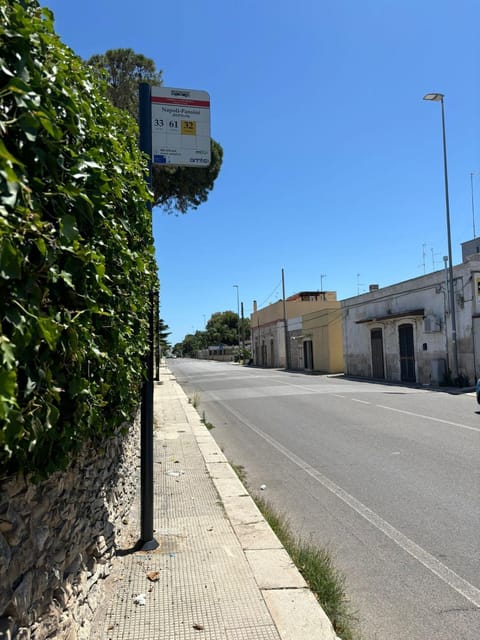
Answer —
333 163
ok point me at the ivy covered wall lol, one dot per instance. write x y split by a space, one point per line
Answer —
76 251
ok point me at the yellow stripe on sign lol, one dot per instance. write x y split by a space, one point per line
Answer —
189 128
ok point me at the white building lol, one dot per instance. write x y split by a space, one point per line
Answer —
403 332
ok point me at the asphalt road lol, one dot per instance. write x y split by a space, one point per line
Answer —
385 476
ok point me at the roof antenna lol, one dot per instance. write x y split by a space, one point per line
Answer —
473 203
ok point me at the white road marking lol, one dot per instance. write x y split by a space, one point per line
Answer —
360 401
419 415
453 580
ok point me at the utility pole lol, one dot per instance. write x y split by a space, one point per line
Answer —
243 331
235 286
285 325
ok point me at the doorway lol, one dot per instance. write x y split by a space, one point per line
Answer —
308 355
407 353
378 367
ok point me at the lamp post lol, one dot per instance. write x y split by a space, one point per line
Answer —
438 97
238 321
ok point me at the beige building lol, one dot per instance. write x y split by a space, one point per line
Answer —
304 332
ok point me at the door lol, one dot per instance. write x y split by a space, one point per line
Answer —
378 369
308 355
407 353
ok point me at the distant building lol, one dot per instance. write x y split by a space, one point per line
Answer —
222 353
403 332
302 333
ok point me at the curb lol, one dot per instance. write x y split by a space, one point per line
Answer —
294 609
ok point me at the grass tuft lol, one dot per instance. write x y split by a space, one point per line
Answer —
195 400
316 566
240 471
208 424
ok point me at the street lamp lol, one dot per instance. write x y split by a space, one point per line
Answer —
438 97
238 321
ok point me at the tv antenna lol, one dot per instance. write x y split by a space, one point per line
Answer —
472 173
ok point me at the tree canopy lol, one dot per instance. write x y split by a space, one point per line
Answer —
124 69
223 328
175 189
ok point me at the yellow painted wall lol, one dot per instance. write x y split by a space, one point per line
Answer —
325 328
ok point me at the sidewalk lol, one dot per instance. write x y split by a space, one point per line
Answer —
219 573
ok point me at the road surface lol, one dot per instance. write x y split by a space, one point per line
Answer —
385 476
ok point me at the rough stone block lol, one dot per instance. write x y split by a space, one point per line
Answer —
57 539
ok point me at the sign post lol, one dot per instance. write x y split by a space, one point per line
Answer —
147 541
174 131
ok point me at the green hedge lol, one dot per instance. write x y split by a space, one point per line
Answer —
76 251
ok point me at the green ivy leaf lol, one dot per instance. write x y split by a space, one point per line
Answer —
15 85
10 260
6 155
8 353
29 126
78 386
49 125
67 278
50 330
41 246
8 383
68 227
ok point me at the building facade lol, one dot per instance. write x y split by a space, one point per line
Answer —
403 332
302 333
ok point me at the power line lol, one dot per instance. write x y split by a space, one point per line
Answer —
277 286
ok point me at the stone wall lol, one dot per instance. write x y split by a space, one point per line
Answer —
57 539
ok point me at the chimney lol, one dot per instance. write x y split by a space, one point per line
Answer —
254 306
373 287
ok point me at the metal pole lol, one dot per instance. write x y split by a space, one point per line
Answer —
156 341
147 541
450 263
243 331
238 321
285 325
446 303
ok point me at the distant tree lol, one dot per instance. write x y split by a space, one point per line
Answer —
177 349
175 189
163 334
193 343
222 328
124 69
